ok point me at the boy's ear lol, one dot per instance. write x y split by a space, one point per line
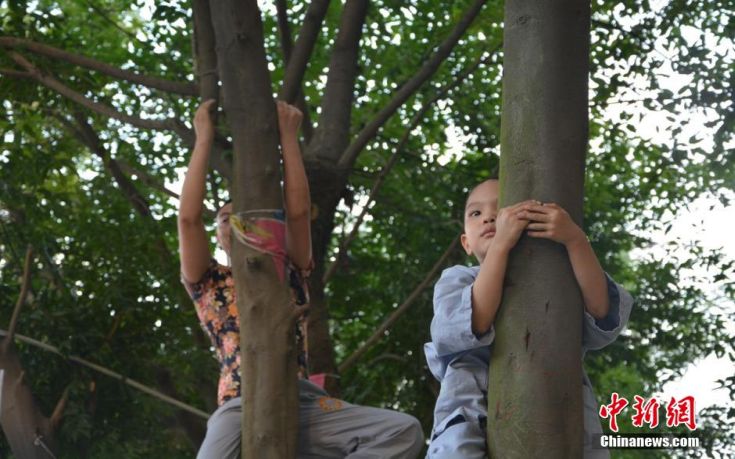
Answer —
465 244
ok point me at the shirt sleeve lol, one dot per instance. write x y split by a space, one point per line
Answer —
197 289
451 328
598 333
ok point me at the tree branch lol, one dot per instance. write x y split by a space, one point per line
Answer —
395 315
205 55
285 29
24 289
86 135
396 153
105 371
104 16
205 58
656 100
299 58
55 418
15 73
186 89
307 127
89 137
349 156
102 109
387 356
128 188
154 183
146 178
332 134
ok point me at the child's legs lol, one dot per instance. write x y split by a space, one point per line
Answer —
463 439
328 427
222 440
332 428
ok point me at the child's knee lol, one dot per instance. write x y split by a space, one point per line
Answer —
462 440
414 434
411 434
222 439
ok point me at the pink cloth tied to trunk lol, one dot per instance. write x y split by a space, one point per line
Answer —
263 230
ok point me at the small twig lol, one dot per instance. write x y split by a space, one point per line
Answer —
24 289
105 110
114 24
105 371
395 315
153 182
176 87
55 418
386 356
38 441
146 178
15 73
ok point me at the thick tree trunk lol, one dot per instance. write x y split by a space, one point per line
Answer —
268 363
326 185
28 431
327 180
535 393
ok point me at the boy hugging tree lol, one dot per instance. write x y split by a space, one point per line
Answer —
466 301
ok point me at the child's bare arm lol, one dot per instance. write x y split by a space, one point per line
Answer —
487 290
550 221
296 187
193 244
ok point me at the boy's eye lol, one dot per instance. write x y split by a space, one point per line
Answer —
474 213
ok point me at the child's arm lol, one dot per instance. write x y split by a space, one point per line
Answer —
193 245
552 222
488 288
296 187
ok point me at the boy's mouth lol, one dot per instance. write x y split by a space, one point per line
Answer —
490 232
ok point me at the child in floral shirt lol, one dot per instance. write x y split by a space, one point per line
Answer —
328 427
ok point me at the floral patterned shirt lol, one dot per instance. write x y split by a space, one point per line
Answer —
216 305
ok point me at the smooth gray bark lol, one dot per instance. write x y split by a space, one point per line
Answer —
268 361
535 393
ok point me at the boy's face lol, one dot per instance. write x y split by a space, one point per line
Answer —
479 219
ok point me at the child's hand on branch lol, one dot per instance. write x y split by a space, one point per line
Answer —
204 122
550 221
289 120
510 225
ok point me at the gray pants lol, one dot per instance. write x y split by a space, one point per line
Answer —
328 428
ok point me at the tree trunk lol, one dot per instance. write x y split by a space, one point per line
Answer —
535 376
327 181
28 431
268 361
326 185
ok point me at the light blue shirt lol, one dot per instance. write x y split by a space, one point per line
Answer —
459 361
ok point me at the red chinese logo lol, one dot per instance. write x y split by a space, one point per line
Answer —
646 412
678 412
613 409
681 412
